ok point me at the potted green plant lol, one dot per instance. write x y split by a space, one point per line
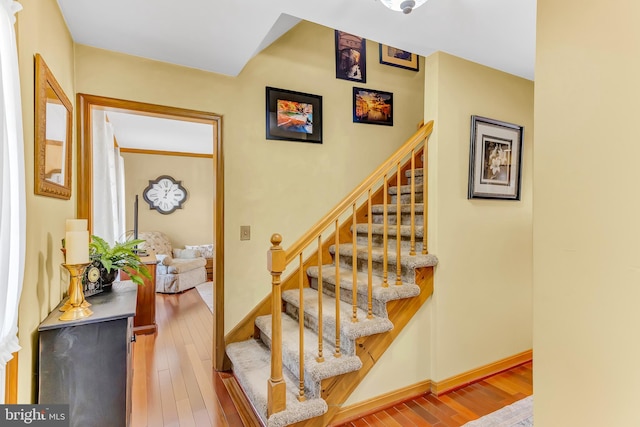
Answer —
120 256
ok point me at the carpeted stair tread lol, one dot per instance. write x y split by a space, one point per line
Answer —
404 208
419 176
377 255
350 330
314 370
392 292
392 231
377 213
252 367
418 172
404 189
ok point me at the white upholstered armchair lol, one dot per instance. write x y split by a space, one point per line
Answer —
178 269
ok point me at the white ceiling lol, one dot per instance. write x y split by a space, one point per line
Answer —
154 133
221 36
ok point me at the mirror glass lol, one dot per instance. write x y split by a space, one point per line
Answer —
52 135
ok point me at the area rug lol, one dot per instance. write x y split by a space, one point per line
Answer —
206 293
519 414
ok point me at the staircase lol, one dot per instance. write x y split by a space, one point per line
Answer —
354 297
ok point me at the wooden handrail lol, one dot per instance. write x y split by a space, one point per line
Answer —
304 241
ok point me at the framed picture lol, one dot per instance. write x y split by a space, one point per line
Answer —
495 161
398 58
294 116
372 106
351 57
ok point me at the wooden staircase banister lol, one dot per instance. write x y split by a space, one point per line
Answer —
421 134
300 295
245 328
278 259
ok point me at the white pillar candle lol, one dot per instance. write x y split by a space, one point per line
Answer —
76 225
77 247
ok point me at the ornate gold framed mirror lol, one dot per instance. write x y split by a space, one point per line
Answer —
53 121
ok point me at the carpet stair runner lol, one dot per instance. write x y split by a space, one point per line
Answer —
251 359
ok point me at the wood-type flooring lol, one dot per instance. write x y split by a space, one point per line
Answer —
174 384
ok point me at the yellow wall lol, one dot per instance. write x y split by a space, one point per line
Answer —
586 227
190 225
273 186
41 29
481 309
482 303
473 310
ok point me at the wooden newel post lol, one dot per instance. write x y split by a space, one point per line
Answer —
276 399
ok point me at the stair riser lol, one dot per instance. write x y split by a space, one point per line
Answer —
328 330
378 308
392 219
419 180
417 171
377 240
407 274
406 198
405 189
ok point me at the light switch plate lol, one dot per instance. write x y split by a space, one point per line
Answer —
245 232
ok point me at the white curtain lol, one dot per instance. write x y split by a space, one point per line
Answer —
108 182
12 189
120 194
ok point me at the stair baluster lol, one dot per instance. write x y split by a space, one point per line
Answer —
412 250
369 260
276 388
301 396
337 352
425 162
354 265
398 223
385 233
320 357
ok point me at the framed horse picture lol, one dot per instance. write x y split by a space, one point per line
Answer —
495 160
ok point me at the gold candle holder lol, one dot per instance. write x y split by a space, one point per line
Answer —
67 305
76 306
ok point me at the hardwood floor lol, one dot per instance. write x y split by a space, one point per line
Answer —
174 384
457 407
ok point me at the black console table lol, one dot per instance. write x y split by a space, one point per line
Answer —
87 363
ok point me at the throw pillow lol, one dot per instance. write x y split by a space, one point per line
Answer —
205 250
186 253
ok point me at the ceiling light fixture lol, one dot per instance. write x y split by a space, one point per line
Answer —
404 6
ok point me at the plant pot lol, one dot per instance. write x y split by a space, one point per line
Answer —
107 278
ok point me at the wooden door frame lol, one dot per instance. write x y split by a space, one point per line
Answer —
84 105
11 381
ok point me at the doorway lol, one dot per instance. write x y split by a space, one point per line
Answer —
87 105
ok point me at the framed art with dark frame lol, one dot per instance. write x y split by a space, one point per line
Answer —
372 106
294 116
495 159
399 58
351 57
